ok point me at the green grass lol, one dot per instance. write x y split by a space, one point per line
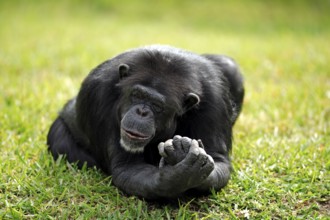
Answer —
281 151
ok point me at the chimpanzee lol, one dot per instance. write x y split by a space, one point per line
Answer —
157 118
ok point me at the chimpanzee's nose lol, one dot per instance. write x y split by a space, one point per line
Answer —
142 111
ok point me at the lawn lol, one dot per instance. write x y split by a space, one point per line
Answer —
281 151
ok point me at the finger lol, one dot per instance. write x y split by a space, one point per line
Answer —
185 142
202 159
177 141
169 142
177 137
161 149
207 168
210 158
168 147
193 153
200 143
205 158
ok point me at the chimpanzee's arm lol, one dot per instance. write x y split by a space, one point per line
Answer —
135 177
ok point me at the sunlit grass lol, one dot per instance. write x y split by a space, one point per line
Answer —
281 151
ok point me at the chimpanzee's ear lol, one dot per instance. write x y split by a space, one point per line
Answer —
190 101
123 70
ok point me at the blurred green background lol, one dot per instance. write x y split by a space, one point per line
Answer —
281 149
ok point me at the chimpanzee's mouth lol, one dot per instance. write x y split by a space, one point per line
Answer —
135 135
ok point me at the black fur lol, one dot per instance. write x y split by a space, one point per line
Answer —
129 108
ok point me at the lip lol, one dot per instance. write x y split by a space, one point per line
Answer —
135 135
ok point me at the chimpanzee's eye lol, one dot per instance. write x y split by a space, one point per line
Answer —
157 107
136 95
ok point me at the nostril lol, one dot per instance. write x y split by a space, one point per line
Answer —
143 112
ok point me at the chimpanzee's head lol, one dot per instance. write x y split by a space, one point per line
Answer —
151 100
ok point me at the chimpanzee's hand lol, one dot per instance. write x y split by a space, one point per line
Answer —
174 150
184 162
